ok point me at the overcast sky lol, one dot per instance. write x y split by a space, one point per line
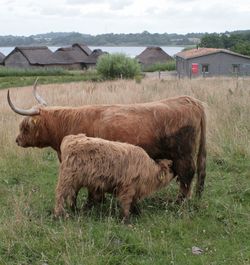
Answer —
27 17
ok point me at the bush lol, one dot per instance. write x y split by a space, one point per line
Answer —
117 65
169 66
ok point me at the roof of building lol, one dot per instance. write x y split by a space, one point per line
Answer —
83 47
40 55
71 55
153 55
2 56
92 58
194 53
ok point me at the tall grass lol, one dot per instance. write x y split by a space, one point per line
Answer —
165 233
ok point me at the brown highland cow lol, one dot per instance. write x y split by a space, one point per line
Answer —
171 128
120 168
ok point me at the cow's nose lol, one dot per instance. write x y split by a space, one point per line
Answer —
17 141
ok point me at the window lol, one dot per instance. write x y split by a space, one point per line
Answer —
205 68
236 68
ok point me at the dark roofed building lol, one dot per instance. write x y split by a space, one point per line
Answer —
27 57
211 62
73 57
1 58
84 48
153 55
93 57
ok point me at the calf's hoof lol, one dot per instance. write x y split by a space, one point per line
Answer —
126 221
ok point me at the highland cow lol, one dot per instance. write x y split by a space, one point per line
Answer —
119 168
172 128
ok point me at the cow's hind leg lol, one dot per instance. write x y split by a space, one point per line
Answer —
185 169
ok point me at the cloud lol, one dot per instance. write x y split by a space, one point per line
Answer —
105 16
112 4
60 11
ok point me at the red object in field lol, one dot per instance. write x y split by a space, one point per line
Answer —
195 68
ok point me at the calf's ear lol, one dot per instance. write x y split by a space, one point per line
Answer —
170 163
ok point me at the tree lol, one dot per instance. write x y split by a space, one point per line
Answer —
117 65
213 40
242 48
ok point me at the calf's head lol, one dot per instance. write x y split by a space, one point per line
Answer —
166 169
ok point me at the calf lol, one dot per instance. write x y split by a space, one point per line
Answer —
119 168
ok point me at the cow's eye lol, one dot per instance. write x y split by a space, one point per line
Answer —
25 130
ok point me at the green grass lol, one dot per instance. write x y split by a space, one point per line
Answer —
164 234
6 71
169 66
23 77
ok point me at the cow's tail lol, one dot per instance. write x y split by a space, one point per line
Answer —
201 158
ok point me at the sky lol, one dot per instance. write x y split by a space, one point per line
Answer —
28 17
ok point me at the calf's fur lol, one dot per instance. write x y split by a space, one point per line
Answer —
97 164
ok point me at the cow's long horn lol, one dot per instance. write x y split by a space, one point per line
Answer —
29 112
37 96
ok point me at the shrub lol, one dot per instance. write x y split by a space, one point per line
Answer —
117 65
169 66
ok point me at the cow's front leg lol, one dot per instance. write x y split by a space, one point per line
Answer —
185 169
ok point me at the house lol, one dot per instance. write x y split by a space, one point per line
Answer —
93 57
211 62
1 58
79 56
82 47
153 55
30 57
73 57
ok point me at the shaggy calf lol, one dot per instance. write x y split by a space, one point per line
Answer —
119 168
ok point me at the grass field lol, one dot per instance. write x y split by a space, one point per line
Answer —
165 233
12 77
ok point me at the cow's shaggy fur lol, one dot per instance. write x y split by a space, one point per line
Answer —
123 169
172 128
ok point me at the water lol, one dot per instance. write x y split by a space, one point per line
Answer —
129 51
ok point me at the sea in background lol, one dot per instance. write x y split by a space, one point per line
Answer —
129 51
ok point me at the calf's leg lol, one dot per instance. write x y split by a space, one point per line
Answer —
95 196
135 208
125 197
64 192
